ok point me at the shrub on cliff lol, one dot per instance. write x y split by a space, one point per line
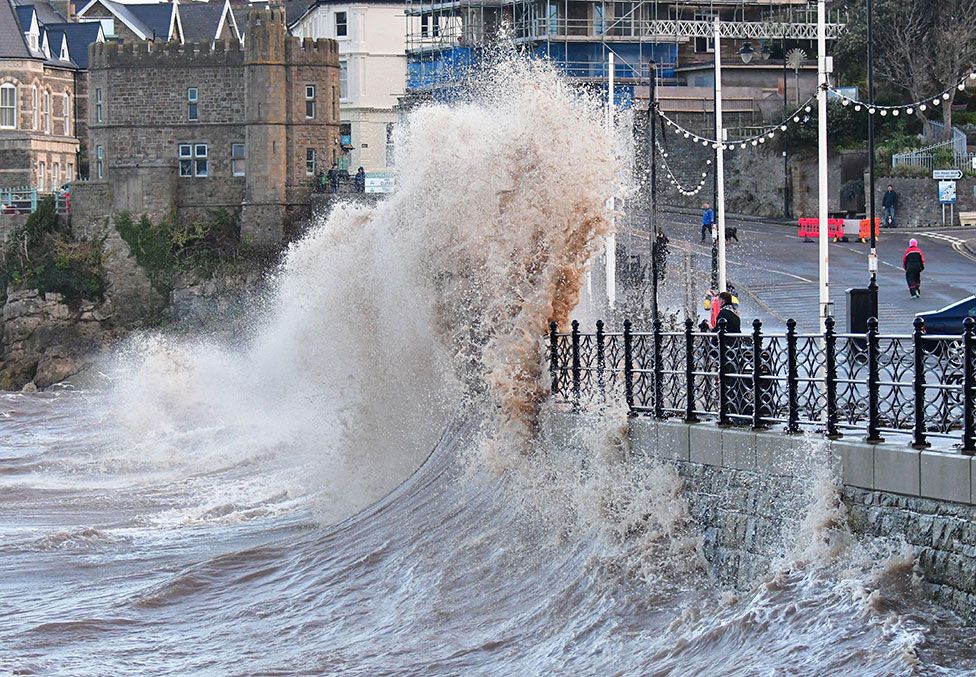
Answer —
43 255
170 248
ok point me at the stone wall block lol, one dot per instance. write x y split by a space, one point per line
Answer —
705 444
673 439
946 476
896 470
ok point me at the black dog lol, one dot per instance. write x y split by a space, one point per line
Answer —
731 233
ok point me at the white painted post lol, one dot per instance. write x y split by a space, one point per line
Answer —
822 82
720 162
611 249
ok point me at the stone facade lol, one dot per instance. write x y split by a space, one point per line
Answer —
275 99
39 150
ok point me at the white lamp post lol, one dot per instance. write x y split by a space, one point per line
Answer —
723 284
823 68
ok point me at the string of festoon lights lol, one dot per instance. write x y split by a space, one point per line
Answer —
673 180
800 116
907 108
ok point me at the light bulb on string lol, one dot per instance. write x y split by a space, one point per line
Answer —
972 76
871 111
771 134
762 140
935 102
796 118
894 112
755 143
961 86
909 110
708 162
783 127
857 107
922 107
808 109
845 102
705 143
945 96
883 112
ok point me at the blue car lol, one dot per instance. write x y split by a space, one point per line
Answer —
949 320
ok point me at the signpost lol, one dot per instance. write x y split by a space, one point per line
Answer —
947 196
947 174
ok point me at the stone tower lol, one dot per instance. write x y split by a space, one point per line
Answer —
265 114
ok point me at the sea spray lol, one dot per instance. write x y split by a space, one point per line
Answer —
384 320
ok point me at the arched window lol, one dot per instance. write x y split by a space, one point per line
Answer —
35 106
47 112
67 114
8 106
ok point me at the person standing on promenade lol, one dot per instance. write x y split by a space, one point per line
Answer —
889 202
914 263
708 220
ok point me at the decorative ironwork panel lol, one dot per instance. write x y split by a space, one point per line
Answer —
852 380
673 383
896 365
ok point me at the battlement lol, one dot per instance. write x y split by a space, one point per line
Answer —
148 53
310 51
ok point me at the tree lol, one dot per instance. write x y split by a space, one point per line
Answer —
925 47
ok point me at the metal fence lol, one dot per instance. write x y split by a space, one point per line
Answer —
920 384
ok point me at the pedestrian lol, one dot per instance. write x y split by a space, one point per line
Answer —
707 221
361 180
334 177
889 202
727 312
913 263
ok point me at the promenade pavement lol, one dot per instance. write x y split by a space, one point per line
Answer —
776 273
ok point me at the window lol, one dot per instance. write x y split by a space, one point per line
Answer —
193 160
389 145
47 112
599 19
200 165
186 159
191 104
8 106
35 123
310 161
343 80
41 175
67 114
56 176
310 101
108 27
98 105
69 173
704 44
238 154
342 24
99 162
424 25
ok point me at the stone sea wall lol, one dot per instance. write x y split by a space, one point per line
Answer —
750 491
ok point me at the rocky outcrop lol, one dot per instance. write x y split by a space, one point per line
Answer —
45 340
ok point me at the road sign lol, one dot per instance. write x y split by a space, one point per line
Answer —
947 174
380 182
947 192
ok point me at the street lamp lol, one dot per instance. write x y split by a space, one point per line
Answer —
746 52
764 52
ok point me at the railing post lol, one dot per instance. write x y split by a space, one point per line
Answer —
600 360
757 382
690 416
723 385
554 357
658 371
792 380
918 386
575 337
969 387
628 368
830 377
874 395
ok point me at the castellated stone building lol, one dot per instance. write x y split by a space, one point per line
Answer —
186 128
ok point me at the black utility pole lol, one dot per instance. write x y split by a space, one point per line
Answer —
652 151
786 144
873 256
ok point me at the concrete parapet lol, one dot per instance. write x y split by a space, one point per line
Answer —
945 476
673 440
896 469
705 444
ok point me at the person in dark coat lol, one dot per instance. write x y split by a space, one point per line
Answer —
889 202
707 221
914 263
727 312
334 177
360 180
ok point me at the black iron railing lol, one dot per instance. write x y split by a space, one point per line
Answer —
921 385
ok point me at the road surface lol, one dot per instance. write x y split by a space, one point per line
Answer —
776 273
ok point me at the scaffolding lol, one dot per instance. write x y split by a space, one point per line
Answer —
445 39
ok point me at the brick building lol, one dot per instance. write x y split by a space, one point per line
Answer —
184 128
38 98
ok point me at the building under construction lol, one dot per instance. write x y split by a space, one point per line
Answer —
768 47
